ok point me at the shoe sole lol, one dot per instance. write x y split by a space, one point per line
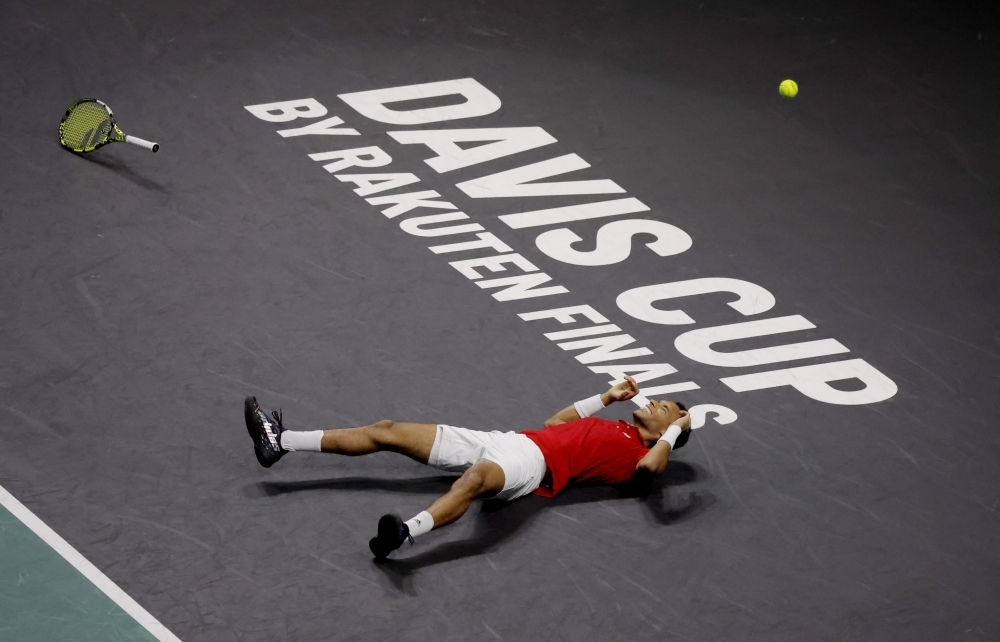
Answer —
388 530
253 424
254 427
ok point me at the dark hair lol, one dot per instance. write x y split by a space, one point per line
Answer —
680 405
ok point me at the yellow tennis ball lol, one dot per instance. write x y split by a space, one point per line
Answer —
788 88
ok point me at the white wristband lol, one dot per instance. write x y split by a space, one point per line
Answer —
589 406
673 432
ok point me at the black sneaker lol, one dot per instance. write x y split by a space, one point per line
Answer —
392 532
265 432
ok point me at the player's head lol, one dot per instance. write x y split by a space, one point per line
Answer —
657 415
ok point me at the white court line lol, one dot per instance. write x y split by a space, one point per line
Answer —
91 572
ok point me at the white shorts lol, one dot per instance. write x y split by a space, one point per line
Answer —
456 449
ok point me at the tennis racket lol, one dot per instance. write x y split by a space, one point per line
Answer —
89 123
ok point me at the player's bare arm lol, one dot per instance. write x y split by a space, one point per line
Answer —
620 392
655 462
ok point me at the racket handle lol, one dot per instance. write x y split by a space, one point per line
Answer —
145 144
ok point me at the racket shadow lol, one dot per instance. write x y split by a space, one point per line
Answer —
121 168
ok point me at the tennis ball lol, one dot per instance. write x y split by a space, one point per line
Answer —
788 88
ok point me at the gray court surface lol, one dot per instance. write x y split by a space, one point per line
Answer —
143 296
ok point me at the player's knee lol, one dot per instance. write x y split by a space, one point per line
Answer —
470 484
381 433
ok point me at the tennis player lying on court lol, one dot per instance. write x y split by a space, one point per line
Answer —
572 447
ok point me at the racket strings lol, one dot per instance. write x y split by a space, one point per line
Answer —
87 126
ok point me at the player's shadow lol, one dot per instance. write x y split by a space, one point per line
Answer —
119 167
419 486
498 521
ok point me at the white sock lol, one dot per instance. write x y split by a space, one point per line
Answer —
422 523
307 440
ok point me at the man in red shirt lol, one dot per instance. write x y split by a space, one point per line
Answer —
573 447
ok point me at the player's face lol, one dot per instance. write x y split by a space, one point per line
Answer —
657 416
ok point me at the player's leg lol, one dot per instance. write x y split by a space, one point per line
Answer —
502 465
483 479
406 438
272 440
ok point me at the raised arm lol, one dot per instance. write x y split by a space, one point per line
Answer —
621 392
655 461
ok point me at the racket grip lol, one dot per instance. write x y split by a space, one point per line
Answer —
145 144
